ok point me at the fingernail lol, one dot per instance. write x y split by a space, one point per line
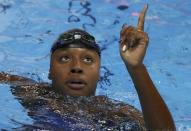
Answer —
124 48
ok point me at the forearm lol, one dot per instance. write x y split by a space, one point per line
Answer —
14 79
155 111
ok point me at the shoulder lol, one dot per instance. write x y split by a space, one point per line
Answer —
122 110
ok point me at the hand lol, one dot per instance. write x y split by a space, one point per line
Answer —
134 42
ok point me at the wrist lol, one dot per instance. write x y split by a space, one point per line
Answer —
131 68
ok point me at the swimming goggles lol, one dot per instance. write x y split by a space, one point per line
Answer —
71 37
71 40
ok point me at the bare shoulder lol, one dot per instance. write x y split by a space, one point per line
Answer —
133 113
117 109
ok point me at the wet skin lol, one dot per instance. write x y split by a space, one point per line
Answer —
75 71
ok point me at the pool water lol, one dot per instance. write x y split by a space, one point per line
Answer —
29 27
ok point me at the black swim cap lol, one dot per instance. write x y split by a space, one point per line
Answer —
76 38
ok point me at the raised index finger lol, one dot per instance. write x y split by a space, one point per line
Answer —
141 20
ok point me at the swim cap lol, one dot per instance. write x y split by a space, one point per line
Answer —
76 38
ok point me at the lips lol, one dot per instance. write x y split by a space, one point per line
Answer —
76 84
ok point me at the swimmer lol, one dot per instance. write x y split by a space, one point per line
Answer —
74 71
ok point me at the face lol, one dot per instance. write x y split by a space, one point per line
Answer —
75 71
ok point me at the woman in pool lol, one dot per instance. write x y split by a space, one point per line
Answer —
74 71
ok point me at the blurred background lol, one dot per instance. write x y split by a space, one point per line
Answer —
29 27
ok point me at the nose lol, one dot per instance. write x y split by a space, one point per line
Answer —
76 67
76 70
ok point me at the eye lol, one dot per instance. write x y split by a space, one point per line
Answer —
88 60
64 58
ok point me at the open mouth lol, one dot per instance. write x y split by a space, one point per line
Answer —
76 84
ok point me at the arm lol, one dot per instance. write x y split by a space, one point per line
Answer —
15 80
155 111
134 42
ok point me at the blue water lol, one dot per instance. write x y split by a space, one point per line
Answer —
28 28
